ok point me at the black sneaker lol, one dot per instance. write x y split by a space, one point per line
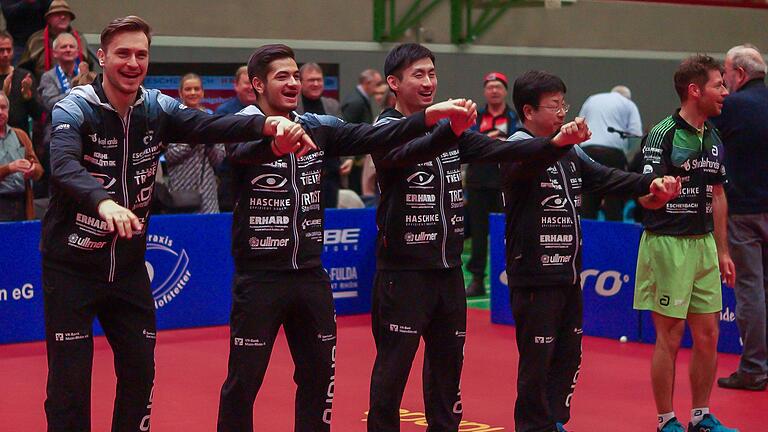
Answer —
476 288
742 382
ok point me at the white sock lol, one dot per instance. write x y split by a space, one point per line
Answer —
664 419
697 415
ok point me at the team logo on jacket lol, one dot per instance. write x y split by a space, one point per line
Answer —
421 180
167 267
84 242
554 203
106 181
269 183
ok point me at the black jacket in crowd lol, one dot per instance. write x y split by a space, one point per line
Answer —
421 213
542 201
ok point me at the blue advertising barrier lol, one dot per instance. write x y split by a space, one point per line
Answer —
189 263
608 280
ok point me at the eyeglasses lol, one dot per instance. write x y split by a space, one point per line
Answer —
556 109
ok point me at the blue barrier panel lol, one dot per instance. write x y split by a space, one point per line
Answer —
501 311
190 267
349 256
21 292
608 279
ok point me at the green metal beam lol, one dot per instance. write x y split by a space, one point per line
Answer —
465 29
394 28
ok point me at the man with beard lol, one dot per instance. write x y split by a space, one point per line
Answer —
277 240
680 262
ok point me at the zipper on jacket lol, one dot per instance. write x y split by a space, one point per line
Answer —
566 185
443 222
294 259
126 154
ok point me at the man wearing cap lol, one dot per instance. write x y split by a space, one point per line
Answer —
38 55
497 120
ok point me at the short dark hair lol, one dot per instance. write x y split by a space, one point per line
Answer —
695 69
402 56
258 64
131 23
4 35
530 86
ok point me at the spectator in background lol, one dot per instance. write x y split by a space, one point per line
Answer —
193 168
357 108
244 96
55 84
17 165
22 19
497 120
313 101
38 55
616 112
18 85
743 125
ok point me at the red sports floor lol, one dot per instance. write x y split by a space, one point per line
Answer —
613 393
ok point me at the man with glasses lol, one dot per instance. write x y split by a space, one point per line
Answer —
543 241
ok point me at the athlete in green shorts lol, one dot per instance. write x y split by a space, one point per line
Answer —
681 261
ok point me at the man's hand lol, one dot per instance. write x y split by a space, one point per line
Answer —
83 68
460 121
446 109
26 87
666 188
346 167
289 137
120 218
7 82
727 269
20 166
571 133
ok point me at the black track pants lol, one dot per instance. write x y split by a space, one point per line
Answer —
126 312
409 305
548 324
302 302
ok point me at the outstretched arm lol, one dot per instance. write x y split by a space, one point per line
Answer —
345 139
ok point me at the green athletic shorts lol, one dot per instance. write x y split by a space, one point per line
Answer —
677 275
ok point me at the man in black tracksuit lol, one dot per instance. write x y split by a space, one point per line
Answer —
106 141
419 284
543 247
277 240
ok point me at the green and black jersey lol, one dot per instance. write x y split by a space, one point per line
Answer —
675 148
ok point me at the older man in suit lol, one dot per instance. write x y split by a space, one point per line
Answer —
313 101
357 108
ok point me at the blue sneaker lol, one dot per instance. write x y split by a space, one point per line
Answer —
710 424
560 427
673 426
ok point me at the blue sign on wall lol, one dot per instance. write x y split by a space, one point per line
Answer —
190 267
